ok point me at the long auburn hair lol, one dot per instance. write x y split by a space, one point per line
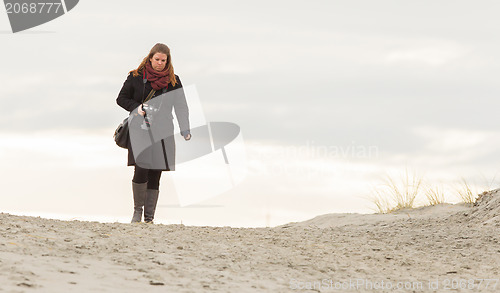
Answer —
158 48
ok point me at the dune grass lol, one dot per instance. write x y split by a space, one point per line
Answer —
465 192
469 193
382 203
397 193
434 195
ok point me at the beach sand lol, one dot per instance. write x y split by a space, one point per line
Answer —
444 248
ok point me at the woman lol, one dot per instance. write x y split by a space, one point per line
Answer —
154 76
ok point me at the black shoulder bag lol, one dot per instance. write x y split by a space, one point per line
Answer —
121 133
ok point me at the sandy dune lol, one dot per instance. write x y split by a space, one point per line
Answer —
446 248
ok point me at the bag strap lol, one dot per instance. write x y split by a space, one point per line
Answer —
150 95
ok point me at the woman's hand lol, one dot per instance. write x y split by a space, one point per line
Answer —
140 111
186 134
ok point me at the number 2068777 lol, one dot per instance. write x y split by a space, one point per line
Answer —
32 8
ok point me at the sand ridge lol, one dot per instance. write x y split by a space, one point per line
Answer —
420 248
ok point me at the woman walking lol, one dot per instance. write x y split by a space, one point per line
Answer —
154 76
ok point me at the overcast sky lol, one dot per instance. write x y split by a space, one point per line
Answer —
414 80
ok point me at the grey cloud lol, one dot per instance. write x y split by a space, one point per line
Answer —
312 72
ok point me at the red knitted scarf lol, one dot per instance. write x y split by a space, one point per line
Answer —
158 79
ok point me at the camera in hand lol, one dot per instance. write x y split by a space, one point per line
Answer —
149 110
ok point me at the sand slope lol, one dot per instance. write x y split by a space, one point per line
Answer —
450 246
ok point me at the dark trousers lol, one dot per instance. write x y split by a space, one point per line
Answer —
152 177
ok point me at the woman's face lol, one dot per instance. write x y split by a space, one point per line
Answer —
158 61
